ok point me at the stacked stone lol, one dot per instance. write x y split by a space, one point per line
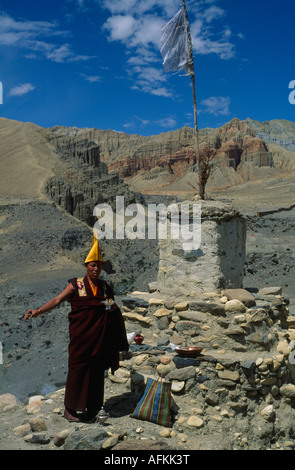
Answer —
225 398
246 341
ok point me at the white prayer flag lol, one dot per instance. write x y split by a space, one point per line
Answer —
174 41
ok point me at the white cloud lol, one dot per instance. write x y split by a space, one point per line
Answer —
93 78
33 36
213 13
216 105
150 80
120 27
60 54
21 89
167 122
137 24
140 7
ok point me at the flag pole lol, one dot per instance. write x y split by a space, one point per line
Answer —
192 74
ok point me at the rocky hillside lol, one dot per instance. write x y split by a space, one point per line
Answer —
82 180
243 387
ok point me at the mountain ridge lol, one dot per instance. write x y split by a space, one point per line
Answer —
247 153
164 160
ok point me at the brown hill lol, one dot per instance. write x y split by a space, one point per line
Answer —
26 159
79 168
246 151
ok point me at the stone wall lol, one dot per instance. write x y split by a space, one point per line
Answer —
241 386
216 262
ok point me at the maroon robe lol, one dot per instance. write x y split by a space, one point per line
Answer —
96 337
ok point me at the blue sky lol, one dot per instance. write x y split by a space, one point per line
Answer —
97 63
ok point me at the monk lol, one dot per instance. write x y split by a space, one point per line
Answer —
97 335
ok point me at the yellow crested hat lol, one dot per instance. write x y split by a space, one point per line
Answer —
94 253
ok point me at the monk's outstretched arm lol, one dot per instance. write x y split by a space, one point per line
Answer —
51 304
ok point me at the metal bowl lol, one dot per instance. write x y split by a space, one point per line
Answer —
189 351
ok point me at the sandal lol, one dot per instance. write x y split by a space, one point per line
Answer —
71 416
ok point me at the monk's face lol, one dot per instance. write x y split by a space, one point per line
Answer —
93 269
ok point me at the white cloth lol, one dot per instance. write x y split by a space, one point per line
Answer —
174 43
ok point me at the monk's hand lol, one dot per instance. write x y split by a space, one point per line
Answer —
31 314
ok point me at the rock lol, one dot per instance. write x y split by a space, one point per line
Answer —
287 390
237 405
268 413
7 399
165 368
182 374
260 314
166 360
38 424
90 440
162 323
162 312
120 376
177 386
184 361
189 327
60 437
165 433
22 430
234 376
136 317
207 307
36 399
156 302
270 291
192 316
291 321
258 338
181 306
240 294
268 381
195 421
235 331
33 409
110 442
140 359
234 306
283 347
240 318
133 302
139 430
212 399
248 365
37 438
152 286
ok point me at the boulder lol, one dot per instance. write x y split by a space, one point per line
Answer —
242 295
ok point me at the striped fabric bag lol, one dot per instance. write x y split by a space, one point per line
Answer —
154 404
